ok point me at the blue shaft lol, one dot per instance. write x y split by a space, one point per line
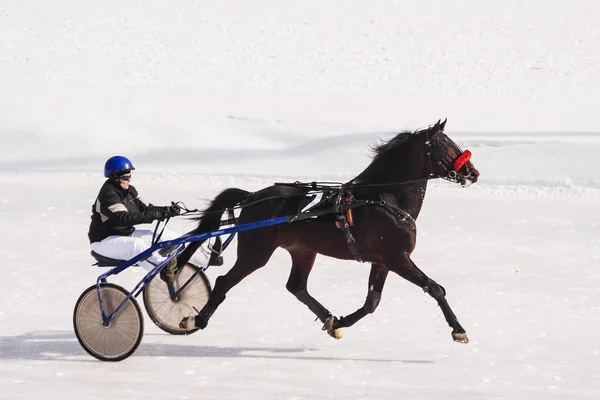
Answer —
194 238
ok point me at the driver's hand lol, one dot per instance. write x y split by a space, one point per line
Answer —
173 210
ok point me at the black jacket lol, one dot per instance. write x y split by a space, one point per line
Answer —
116 211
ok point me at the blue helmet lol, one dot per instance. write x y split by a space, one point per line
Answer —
115 165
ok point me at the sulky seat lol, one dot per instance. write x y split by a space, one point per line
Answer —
105 261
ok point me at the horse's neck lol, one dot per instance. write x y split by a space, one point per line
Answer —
409 197
390 177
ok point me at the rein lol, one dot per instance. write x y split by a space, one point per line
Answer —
321 186
157 235
344 201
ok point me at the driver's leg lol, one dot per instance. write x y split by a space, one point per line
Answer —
199 258
125 248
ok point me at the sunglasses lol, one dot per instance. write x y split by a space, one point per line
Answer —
125 178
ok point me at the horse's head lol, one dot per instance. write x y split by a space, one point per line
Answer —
446 159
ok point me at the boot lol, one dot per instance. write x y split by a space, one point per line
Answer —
215 253
169 271
166 250
215 260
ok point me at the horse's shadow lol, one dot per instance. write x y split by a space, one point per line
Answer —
63 346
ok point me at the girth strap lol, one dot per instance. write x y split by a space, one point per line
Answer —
344 203
349 199
342 223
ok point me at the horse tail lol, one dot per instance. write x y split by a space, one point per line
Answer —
210 219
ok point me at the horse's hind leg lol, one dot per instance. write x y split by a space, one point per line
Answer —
252 255
407 269
377 278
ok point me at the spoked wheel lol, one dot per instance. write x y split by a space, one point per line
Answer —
167 313
123 334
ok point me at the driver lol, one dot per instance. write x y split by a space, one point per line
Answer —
118 208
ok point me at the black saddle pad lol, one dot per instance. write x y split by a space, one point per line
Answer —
314 196
106 261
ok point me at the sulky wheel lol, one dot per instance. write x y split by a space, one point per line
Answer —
123 334
167 313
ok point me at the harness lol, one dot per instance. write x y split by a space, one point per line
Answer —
339 201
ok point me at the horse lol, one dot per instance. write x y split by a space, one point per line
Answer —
371 218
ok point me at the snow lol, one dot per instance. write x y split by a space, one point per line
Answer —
208 95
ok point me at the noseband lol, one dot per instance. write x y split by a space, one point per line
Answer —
437 155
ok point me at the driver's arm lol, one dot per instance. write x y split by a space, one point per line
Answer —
113 209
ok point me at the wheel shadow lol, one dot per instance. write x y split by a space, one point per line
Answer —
63 346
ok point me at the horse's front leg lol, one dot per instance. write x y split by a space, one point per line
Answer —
439 294
376 282
302 263
407 269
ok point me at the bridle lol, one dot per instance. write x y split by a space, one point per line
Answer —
437 155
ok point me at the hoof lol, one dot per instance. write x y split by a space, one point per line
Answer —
187 323
329 326
336 334
460 337
201 320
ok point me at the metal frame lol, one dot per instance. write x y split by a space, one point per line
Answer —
181 241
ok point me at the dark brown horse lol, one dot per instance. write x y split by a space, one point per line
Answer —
369 219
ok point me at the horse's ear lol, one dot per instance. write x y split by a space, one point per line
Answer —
436 127
443 125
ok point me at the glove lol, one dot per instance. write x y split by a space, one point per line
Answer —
173 210
156 213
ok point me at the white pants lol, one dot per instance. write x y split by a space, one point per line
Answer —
127 247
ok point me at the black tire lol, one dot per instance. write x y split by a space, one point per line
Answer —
167 314
121 337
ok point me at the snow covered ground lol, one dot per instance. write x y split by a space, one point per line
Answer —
207 95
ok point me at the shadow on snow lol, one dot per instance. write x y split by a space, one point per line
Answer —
63 345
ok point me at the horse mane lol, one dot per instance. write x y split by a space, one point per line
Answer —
395 147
